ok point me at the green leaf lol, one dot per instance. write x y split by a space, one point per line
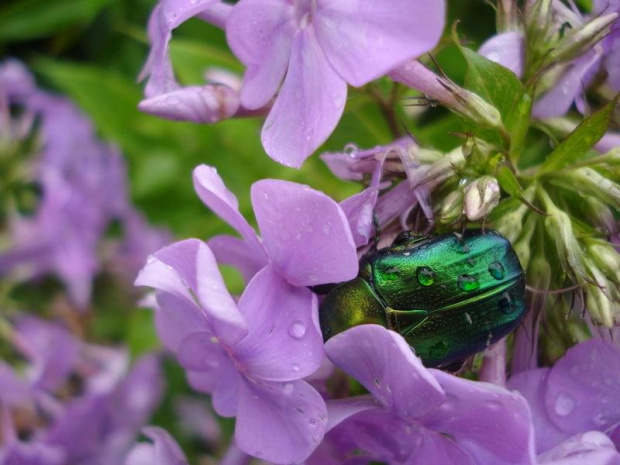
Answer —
509 182
581 140
32 19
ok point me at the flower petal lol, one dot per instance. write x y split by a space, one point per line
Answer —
340 410
385 364
489 422
583 386
260 33
531 385
308 107
591 447
163 451
437 448
305 232
507 49
176 318
188 270
177 12
284 342
364 40
236 252
280 422
199 104
212 191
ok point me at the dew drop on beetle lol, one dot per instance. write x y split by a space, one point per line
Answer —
497 270
426 276
468 283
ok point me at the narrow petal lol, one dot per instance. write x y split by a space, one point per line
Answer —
212 191
591 447
385 364
280 422
583 386
199 104
364 40
236 252
507 49
260 33
531 384
308 107
284 342
305 232
188 270
489 422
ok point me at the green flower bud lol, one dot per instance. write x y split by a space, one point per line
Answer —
600 215
594 183
605 257
597 299
442 169
452 207
481 197
578 42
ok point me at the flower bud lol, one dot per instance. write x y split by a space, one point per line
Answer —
581 40
452 207
606 258
481 197
597 299
511 224
594 183
439 171
600 215
508 16
559 226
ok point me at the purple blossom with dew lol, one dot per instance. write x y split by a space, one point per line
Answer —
310 50
447 420
83 184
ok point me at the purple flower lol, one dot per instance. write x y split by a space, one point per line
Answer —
507 49
250 356
578 395
419 415
311 49
163 451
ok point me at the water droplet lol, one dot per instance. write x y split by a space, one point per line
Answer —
600 419
150 260
214 340
497 270
173 100
468 317
313 422
327 229
297 329
468 283
426 276
296 367
564 405
266 195
288 388
377 382
351 150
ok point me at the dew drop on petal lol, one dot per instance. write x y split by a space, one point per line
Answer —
296 367
297 330
150 260
313 422
173 100
288 388
564 405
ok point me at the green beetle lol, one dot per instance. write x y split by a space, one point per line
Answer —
449 296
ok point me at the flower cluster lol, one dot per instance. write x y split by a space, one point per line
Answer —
62 190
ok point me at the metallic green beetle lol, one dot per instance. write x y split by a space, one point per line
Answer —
449 296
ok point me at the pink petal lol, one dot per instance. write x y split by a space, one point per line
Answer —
507 49
236 252
583 386
280 422
212 191
586 448
284 342
308 107
531 385
363 40
305 232
260 33
188 270
385 364
489 422
199 104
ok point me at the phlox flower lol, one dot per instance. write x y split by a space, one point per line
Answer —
309 50
414 415
163 450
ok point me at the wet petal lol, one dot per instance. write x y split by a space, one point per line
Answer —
213 192
222 383
489 422
591 447
176 318
385 364
188 270
260 33
199 104
507 49
284 342
364 40
437 448
583 386
236 252
531 385
305 232
340 410
280 422
308 107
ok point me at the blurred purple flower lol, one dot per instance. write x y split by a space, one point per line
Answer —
416 415
311 49
611 62
507 49
164 450
252 356
577 396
